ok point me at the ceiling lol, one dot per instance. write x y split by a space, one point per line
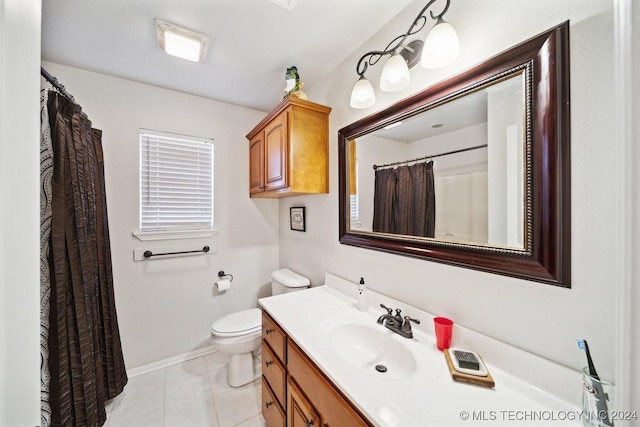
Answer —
251 42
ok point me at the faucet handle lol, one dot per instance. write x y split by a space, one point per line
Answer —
408 319
389 310
398 311
406 325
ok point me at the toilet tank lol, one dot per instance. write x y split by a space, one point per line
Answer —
285 280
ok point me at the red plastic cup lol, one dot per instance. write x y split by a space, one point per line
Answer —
444 329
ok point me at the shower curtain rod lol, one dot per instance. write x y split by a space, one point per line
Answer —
60 88
376 167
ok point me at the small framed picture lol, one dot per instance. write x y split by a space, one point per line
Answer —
297 218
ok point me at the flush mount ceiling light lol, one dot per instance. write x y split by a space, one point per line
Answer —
180 42
440 48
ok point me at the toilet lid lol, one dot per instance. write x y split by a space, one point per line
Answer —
290 279
239 323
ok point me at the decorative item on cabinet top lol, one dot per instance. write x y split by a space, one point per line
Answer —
289 150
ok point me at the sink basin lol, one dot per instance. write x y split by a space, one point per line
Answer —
373 349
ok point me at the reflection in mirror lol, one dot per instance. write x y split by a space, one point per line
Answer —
460 165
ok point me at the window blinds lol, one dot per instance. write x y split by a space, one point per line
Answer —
176 182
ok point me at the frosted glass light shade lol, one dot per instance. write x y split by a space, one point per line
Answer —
441 46
362 95
182 47
395 74
181 42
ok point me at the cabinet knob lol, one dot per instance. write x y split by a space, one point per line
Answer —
310 423
268 331
267 404
269 363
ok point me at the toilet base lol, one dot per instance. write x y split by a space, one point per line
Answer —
242 369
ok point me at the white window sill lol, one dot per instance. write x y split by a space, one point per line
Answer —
146 236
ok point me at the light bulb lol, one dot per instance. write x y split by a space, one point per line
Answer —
441 46
362 95
395 74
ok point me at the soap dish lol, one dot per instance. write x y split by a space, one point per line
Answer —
480 377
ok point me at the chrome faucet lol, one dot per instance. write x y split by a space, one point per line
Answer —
397 323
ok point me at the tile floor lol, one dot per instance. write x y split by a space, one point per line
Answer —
194 393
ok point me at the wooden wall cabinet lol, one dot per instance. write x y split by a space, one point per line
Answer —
289 150
295 393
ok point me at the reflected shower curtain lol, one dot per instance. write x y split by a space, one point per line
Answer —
85 359
404 200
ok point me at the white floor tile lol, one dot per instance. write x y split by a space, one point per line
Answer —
141 410
186 394
186 370
202 414
237 406
253 422
192 394
218 381
143 384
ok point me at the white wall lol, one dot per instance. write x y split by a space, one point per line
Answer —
634 327
19 213
166 306
542 319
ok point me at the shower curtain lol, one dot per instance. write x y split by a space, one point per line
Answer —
404 200
83 354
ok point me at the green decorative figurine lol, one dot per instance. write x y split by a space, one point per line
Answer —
292 78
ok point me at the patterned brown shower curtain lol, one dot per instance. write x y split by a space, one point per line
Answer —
85 354
404 200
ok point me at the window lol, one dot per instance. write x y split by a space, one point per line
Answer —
176 182
354 210
353 205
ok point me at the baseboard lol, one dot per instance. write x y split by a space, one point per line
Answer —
161 364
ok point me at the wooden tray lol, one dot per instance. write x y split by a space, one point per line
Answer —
468 378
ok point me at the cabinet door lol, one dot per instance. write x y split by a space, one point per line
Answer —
273 414
335 410
275 336
276 153
274 373
300 413
256 164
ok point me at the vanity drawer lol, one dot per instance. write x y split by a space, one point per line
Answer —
273 414
274 373
275 336
334 409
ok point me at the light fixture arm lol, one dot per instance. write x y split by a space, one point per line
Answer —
372 57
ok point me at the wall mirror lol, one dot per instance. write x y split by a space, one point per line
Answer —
473 171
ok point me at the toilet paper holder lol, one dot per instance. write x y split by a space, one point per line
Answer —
222 274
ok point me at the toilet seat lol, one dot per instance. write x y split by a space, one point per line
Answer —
240 323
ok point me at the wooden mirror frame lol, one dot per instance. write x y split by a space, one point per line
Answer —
546 257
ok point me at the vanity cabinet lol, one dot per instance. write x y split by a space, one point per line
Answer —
301 412
334 409
289 150
295 393
274 373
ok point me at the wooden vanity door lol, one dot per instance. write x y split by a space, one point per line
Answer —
276 153
300 412
256 164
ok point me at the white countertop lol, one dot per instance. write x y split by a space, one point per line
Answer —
431 398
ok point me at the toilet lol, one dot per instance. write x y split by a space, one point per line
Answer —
239 334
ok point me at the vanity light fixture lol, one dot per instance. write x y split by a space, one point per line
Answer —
180 42
440 48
